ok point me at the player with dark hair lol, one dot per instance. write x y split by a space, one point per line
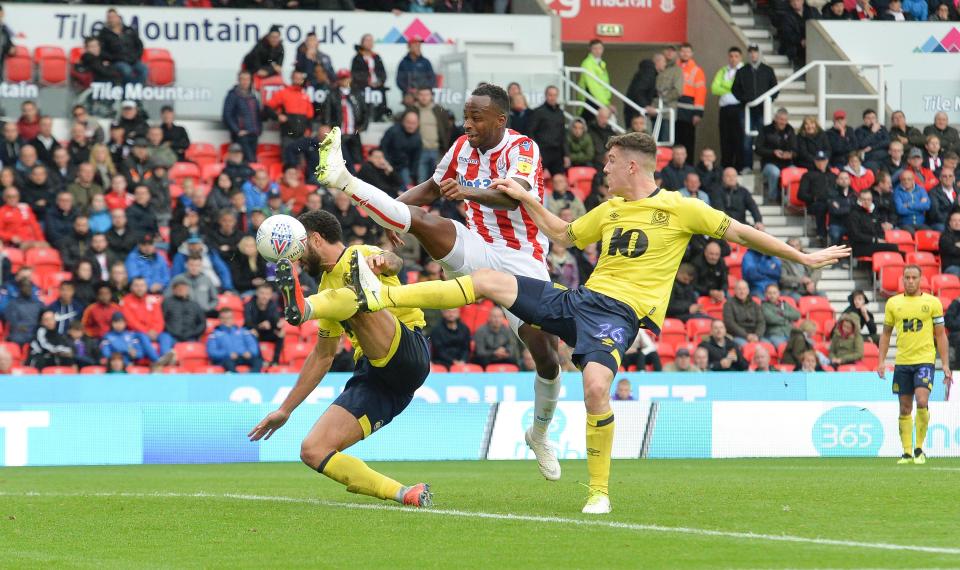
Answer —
644 233
392 361
498 234
918 318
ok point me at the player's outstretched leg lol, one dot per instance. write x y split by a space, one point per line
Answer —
334 304
373 295
332 171
338 428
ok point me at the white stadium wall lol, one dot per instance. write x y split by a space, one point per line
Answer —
924 57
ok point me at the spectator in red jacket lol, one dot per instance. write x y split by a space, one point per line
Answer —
97 317
18 224
117 197
144 314
924 177
293 108
28 125
293 191
860 176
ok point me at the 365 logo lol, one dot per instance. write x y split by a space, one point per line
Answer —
848 431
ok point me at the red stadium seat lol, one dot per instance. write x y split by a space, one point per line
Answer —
18 67
790 184
502 368
58 370
871 356
889 265
847 368
210 171
929 265
231 301
927 240
190 354
581 180
51 65
295 353
45 262
711 307
673 332
202 154
790 301
697 328
735 264
161 69
209 369
667 352
437 368
267 350
475 315
93 370
945 285
468 367
902 239
15 352
15 255
815 308
825 329
23 370
664 156
183 170
751 347
269 149
282 370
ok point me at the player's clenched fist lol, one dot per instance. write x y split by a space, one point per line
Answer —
452 190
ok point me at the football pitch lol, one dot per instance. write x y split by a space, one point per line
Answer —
786 513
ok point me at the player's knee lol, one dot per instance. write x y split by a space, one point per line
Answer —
595 392
313 455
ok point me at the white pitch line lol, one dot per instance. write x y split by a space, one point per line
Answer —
637 527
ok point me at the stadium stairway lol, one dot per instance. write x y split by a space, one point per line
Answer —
836 284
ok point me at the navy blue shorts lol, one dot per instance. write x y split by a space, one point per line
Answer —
377 395
908 377
599 328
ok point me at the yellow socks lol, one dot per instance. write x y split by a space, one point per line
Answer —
359 478
923 420
333 304
599 448
906 434
431 294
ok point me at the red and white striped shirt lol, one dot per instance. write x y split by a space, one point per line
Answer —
516 156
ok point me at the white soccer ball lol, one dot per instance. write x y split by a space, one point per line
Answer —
281 237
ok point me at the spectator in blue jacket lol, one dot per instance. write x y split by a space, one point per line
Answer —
133 346
241 115
22 313
58 223
415 71
919 9
760 270
229 345
66 309
911 203
147 263
257 189
214 266
402 145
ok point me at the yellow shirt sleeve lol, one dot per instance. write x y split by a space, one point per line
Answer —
587 229
698 218
888 318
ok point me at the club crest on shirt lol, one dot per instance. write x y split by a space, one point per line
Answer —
925 308
501 163
660 218
525 146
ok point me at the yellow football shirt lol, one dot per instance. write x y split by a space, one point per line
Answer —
335 279
642 244
914 318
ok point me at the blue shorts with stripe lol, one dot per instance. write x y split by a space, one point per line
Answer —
599 328
376 395
908 377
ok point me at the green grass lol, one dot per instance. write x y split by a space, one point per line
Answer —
79 517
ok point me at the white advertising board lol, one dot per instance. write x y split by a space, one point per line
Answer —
567 431
208 46
825 429
924 57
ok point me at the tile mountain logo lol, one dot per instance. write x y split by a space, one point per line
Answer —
949 44
414 30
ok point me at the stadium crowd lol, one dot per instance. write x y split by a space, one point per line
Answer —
131 248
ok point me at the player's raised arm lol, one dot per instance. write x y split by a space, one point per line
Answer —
491 197
554 227
767 244
315 367
422 194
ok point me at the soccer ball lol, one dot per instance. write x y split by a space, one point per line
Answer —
281 237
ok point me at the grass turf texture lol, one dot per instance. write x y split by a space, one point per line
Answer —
79 516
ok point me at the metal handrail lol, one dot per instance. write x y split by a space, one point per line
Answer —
822 96
571 86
